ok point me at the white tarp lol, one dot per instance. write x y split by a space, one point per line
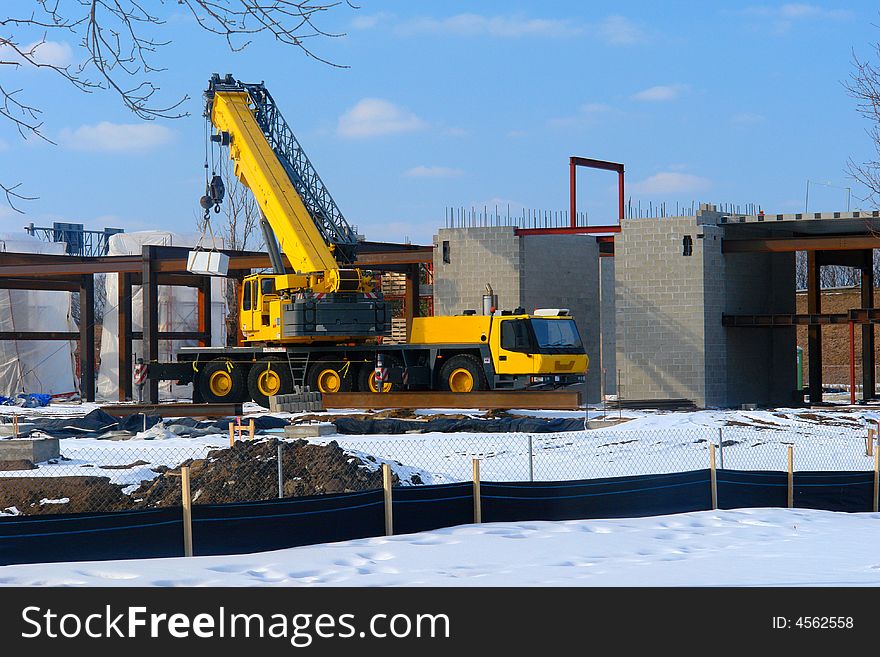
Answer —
178 311
40 366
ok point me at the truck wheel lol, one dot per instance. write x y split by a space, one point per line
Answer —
366 380
330 375
268 378
462 373
221 382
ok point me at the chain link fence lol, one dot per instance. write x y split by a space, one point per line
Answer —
93 475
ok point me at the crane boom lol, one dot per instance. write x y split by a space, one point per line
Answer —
305 219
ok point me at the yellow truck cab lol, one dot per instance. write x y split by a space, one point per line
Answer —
504 350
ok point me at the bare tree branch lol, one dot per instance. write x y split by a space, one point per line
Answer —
118 42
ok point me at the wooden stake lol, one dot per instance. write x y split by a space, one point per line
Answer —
386 485
187 511
869 443
15 426
713 479
478 505
876 478
251 428
791 476
231 434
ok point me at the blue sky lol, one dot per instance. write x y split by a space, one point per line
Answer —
472 104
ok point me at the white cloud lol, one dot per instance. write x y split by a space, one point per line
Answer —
372 117
671 182
369 21
661 92
620 31
116 137
50 53
433 172
587 115
782 18
495 26
747 118
799 11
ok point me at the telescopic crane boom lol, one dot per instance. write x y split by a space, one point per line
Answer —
322 297
311 230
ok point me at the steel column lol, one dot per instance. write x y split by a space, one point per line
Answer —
150 297
204 312
123 338
814 331
852 363
87 337
411 297
867 289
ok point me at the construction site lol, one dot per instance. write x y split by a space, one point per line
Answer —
145 370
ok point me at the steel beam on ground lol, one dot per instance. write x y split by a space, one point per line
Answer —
800 243
174 410
484 399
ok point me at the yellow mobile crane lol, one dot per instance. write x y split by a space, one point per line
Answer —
320 323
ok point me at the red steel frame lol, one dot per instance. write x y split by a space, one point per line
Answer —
573 164
573 228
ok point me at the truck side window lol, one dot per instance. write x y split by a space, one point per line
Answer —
515 335
246 296
267 286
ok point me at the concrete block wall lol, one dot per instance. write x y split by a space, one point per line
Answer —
659 310
562 271
533 271
609 329
670 339
477 256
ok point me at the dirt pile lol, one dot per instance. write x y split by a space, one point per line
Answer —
49 495
249 471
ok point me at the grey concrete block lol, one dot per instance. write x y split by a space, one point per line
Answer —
35 450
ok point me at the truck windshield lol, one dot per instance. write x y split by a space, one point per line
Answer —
557 333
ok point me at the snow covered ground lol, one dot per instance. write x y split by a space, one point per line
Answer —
754 547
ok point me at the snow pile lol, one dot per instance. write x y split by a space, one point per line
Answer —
754 547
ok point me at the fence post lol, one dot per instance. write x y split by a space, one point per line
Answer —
478 505
187 511
721 447
791 476
713 479
876 478
531 460
280 473
869 442
386 485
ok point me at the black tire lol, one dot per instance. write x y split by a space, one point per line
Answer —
264 373
318 375
222 382
468 363
366 371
